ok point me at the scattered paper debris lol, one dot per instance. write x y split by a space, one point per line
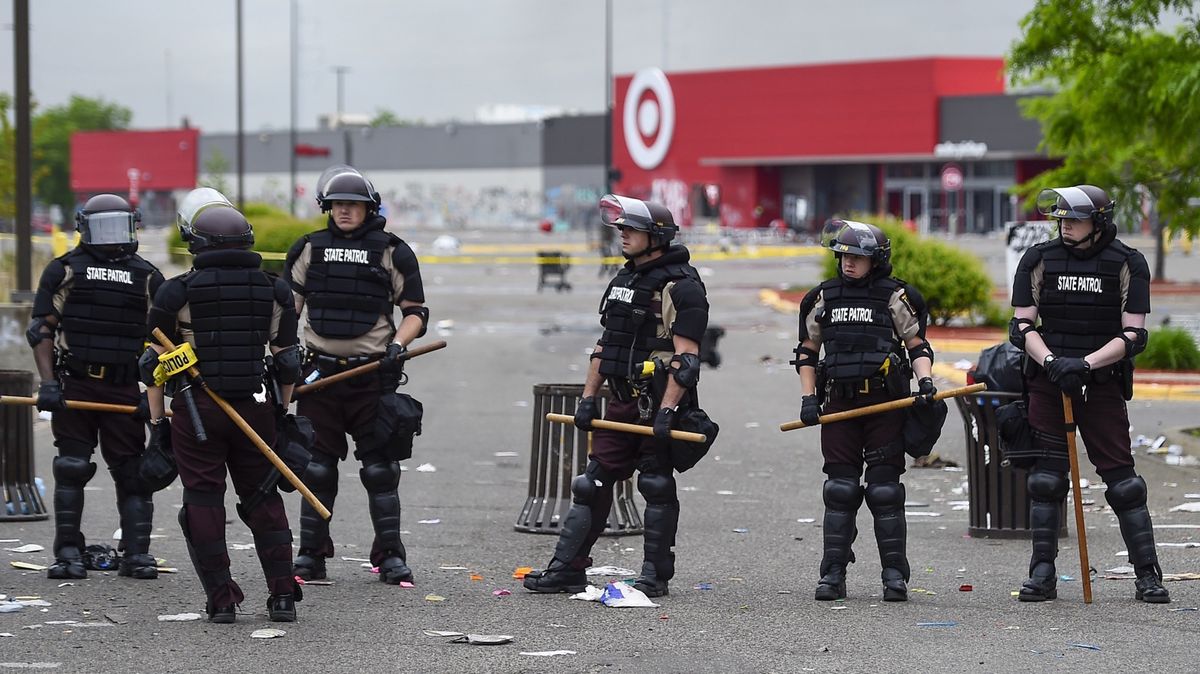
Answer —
610 571
28 547
620 595
807 520
267 633
921 513
741 530
546 653
432 521
1190 507
178 617
434 597
10 607
724 492
406 584
590 593
1086 647
452 568
483 639
354 559
520 571
443 633
965 587
241 546
426 468
702 586
940 623
505 454
501 593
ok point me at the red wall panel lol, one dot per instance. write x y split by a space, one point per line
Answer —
166 160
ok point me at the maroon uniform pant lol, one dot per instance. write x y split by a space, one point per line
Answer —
1100 415
843 442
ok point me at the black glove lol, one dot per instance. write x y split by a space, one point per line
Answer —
392 364
160 436
50 397
663 422
142 413
586 413
810 410
925 392
1068 373
146 364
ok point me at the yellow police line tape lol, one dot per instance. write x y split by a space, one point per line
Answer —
775 252
60 242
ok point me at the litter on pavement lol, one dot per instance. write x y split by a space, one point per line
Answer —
546 653
267 633
610 571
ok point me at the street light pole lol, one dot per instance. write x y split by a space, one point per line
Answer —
23 229
608 97
241 145
292 111
341 72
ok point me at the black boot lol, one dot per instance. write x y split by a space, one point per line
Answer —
321 476
842 498
886 501
71 474
137 514
567 570
281 608
221 614
1128 499
1046 490
394 570
661 524
382 480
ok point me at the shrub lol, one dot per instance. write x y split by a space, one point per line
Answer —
1170 349
953 282
274 233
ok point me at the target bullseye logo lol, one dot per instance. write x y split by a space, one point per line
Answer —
649 118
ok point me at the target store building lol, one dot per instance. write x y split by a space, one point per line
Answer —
936 141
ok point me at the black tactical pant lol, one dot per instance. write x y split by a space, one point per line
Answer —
202 470
843 442
122 440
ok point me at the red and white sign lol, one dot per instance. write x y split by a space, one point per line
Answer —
649 118
135 180
952 178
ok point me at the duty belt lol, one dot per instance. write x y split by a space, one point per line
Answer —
331 364
847 390
114 374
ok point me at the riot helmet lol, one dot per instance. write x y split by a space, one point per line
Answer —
644 216
345 183
1081 202
107 226
207 221
859 238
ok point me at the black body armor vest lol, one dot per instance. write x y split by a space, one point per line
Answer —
856 328
232 302
104 316
632 317
348 288
1080 300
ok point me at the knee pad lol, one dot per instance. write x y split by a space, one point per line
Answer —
885 496
1047 486
583 489
656 487
320 476
842 494
882 473
1127 494
380 477
72 471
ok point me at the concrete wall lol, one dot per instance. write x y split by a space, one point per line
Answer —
995 120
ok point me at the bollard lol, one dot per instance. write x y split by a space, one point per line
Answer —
999 501
22 499
558 453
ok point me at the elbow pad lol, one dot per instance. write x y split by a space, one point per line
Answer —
1136 344
423 312
287 364
805 357
924 350
39 331
1017 329
685 367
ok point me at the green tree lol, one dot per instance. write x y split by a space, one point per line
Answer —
8 161
52 129
215 169
1125 109
385 117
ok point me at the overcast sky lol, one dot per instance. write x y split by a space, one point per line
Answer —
441 59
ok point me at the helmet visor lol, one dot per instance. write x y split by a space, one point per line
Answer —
1065 202
196 201
856 239
328 192
109 228
617 211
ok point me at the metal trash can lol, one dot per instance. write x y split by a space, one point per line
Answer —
22 500
999 502
559 452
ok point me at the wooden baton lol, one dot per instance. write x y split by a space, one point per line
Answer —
883 407
636 429
250 433
363 369
75 405
1085 569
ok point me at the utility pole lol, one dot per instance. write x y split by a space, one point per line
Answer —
608 97
24 281
341 101
241 144
292 123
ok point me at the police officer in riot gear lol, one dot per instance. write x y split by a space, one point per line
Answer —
89 321
655 309
1091 293
872 327
227 311
350 276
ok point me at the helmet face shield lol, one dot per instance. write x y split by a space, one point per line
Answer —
109 228
855 238
196 201
1065 202
344 183
617 211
